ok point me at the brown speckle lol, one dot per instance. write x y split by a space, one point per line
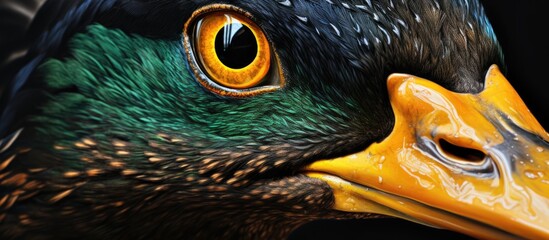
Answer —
232 180
212 165
89 142
24 219
202 181
71 174
140 186
207 152
156 145
239 173
184 165
4 199
155 159
122 153
18 192
81 145
150 154
190 179
180 159
16 180
223 153
128 172
251 163
7 162
279 162
214 188
28 196
117 164
247 153
11 201
100 155
154 179
229 163
216 175
31 185
59 147
86 159
281 152
207 161
94 172
118 143
240 183
24 150
36 170
259 163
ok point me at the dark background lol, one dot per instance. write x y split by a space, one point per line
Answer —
519 26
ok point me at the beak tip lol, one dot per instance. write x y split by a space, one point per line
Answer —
395 80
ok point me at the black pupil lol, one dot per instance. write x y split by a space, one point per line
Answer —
236 46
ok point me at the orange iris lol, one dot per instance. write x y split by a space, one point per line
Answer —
219 24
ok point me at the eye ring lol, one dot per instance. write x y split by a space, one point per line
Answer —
257 74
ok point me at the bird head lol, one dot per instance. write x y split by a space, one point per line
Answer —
225 118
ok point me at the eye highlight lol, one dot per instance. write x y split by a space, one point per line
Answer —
229 54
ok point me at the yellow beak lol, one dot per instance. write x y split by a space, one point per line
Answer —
473 163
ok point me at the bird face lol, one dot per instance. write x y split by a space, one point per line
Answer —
215 118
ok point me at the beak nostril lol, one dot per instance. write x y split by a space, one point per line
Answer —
461 153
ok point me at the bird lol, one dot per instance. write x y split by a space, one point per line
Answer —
139 119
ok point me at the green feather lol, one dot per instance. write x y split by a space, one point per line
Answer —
131 82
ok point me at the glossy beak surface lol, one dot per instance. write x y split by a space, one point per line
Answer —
472 163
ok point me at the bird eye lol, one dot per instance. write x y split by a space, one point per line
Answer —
230 54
